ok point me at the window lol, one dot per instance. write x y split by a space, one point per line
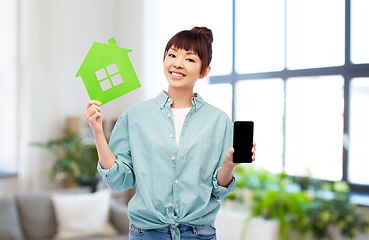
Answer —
109 76
315 31
301 73
359 37
212 92
8 87
262 101
259 41
314 126
359 131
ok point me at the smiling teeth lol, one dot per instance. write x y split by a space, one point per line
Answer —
177 74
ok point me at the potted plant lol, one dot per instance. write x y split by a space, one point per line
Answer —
75 160
281 204
308 207
249 181
323 213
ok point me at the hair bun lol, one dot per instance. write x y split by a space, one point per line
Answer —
206 31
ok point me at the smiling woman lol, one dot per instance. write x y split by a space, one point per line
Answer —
187 54
199 44
181 175
181 69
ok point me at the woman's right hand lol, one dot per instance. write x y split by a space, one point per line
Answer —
94 117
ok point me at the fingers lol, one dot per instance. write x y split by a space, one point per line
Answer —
229 154
95 105
93 102
93 110
92 113
253 150
231 150
95 115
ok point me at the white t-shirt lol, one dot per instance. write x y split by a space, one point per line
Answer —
179 115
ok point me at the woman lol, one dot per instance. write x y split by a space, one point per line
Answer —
176 148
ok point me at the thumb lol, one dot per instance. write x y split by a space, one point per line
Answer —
230 152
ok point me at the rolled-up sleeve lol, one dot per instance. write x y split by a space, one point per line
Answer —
121 175
220 192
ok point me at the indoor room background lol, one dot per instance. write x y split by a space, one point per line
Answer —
298 69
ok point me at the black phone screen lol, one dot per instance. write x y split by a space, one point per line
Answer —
243 134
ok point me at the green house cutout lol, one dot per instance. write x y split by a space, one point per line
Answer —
107 72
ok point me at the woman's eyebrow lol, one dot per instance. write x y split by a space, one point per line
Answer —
187 52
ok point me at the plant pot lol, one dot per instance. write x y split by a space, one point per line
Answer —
261 229
69 183
247 198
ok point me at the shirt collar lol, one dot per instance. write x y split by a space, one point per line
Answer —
163 99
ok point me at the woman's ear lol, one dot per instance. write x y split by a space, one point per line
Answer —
207 70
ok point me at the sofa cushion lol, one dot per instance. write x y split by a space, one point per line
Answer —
120 237
119 218
37 215
83 215
9 221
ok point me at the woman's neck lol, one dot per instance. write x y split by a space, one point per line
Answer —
181 98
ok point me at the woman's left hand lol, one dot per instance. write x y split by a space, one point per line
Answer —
225 173
228 158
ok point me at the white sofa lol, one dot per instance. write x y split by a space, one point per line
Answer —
33 216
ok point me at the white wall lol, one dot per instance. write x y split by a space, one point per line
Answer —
55 36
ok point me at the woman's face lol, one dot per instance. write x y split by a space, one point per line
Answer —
182 68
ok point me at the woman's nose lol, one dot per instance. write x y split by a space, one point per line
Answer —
178 63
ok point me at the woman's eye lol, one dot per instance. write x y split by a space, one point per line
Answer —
190 60
171 55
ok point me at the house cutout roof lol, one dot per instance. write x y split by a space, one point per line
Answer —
107 72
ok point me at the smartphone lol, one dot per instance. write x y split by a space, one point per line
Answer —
243 137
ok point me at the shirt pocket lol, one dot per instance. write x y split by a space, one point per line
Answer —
208 155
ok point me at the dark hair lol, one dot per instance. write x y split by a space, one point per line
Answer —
198 40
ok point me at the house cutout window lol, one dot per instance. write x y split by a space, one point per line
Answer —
108 77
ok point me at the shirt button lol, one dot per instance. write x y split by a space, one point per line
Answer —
168 114
176 206
171 135
173 158
176 181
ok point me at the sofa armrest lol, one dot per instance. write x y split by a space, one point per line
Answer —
118 217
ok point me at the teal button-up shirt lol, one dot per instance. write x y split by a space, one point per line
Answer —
174 185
